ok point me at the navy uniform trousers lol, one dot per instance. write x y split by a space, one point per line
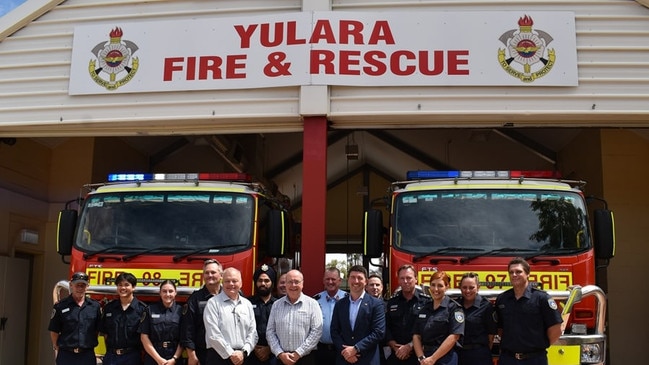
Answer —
480 355
65 357
509 359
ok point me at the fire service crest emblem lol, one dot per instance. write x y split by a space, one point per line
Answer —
526 55
114 65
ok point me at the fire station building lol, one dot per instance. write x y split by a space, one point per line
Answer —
331 100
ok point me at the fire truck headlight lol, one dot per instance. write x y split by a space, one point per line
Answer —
591 353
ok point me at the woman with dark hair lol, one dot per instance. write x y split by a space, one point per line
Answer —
481 325
160 328
439 326
119 324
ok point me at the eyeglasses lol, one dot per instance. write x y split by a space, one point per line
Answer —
294 282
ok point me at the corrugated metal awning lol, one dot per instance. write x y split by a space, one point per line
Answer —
23 15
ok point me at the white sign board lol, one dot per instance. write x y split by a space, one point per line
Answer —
327 48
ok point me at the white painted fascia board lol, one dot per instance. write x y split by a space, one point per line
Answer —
24 14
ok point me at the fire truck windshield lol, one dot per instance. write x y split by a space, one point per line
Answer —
496 221
177 221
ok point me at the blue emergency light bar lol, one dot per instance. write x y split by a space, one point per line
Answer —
204 176
430 174
130 177
493 174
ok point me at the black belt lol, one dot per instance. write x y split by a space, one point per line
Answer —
473 346
122 351
523 355
166 344
76 350
429 348
326 346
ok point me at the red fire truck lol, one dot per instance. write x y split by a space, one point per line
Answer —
163 226
461 221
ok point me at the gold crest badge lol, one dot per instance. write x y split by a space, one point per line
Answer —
114 65
526 55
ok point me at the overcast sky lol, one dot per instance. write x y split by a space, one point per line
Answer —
8 5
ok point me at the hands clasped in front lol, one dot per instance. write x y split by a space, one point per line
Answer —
289 358
350 354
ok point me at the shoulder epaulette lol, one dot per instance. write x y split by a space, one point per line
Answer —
420 291
317 296
455 301
455 298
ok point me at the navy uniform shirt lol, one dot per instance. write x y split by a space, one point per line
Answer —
525 321
76 325
434 325
262 312
162 324
480 322
192 329
121 326
401 315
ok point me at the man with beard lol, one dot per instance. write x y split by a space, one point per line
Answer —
262 302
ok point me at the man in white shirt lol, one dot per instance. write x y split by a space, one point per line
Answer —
230 327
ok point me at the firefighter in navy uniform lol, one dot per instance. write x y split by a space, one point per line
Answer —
528 320
75 324
160 328
192 327
120 323
480 325
440 325
402 311
262 302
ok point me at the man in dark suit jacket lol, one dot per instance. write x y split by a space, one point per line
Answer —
358 323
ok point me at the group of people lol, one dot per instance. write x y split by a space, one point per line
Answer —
280 325
432 328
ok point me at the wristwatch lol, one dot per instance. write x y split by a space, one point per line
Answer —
245 353
421 358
